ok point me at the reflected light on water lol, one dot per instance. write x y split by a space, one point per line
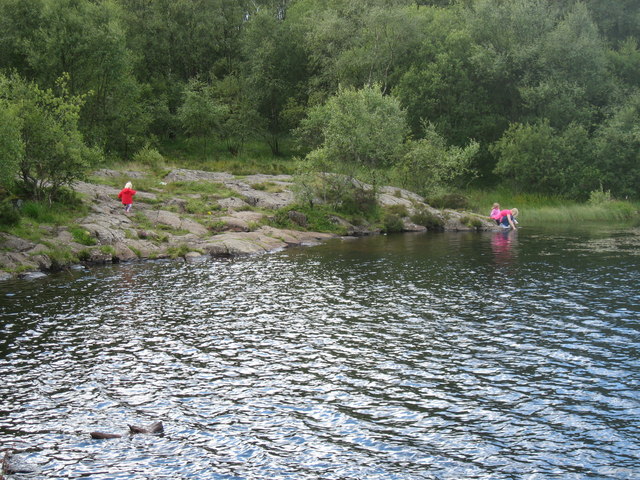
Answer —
498 356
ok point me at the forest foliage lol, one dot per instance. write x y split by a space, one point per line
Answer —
543 95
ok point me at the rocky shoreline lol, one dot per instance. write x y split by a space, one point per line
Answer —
161 227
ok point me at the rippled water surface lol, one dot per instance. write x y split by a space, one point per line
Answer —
428 356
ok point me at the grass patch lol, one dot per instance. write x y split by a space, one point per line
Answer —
82 236
24 222
178 251
614 212
142 220
538 209
471 221
270 187
108 250
255 157
26 228
200 206
318 219
40 213
61 258
216 190
480 201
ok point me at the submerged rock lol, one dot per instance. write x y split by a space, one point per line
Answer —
104 436
152 429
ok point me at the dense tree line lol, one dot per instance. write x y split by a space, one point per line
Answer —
543 94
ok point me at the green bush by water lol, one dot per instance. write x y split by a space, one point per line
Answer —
392 223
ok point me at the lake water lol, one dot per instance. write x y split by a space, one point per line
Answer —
418 356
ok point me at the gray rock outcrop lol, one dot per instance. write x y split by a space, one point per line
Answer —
160 227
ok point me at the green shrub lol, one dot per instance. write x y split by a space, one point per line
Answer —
9 215
108 250
398 210
427 219
178 251
393 223
599 197
82 236
359 201
281 219
150 157
471 221
69 198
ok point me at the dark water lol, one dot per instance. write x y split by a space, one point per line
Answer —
428 356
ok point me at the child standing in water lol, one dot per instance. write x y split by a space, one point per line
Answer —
495 213
126 195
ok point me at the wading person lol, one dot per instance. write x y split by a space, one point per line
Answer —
508 218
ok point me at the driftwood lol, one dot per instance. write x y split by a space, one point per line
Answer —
153 428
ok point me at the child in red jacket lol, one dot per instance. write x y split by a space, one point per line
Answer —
126 195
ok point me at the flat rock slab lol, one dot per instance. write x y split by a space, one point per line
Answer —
176 222
11 242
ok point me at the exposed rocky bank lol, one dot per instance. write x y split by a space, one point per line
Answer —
162 226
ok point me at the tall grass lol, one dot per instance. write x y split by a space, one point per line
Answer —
480 201
536 209
613 212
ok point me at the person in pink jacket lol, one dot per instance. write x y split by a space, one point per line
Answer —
126 195
508 218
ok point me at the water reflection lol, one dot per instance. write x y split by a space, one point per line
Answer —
504 246
385 358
